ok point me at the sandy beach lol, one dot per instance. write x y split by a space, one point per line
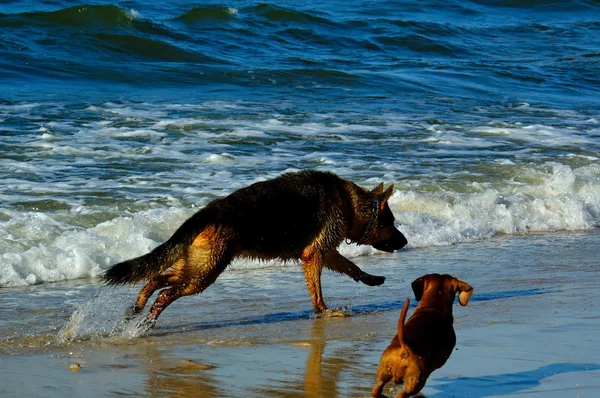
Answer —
530 328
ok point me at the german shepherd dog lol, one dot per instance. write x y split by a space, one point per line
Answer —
303 215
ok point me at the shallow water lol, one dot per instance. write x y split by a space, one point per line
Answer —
529 328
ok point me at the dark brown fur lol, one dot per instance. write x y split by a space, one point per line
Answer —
304 215
426 341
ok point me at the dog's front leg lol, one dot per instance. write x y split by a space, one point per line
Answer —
338 263
312 263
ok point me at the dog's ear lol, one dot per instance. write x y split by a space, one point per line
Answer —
464 291
418 286
378 190
385 196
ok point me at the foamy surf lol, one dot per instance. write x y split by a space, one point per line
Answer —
556 198
49 247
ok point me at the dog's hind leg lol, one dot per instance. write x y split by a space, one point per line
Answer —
170 277
194 286
143 296
206 258
338 263
147 291
166 297
414 382
382 379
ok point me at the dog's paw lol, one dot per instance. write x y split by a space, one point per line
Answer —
137 327
334 314
145 325
372 280
328 313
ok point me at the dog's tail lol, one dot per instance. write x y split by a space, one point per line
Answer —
401 321
144 267
158 260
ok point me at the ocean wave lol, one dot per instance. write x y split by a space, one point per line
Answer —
278 13
544 5
84 16
418 43
204 14
429 50
42 247
555 198
428 28
146 49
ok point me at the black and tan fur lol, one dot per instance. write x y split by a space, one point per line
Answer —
304 215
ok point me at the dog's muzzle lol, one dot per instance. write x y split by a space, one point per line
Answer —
396 242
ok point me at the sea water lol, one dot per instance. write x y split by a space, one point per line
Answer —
118 120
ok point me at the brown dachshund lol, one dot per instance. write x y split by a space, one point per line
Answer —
426 341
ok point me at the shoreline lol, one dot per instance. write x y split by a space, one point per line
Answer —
530 327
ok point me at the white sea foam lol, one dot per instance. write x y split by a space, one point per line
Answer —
125 132
132 14
564 199
84 192
538 134
218 158
39 248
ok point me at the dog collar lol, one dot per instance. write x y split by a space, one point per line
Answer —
372 220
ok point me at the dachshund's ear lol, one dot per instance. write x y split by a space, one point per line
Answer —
464 291
418 286
378 189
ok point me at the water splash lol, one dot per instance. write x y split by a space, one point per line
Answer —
102 318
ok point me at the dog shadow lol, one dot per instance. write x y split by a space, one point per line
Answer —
308 314
505 384
398 304
257 320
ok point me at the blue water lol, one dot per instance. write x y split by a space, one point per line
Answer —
120 119
420 58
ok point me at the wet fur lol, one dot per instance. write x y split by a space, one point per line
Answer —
304 215
425 342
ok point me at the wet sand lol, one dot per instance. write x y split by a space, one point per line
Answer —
531 328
